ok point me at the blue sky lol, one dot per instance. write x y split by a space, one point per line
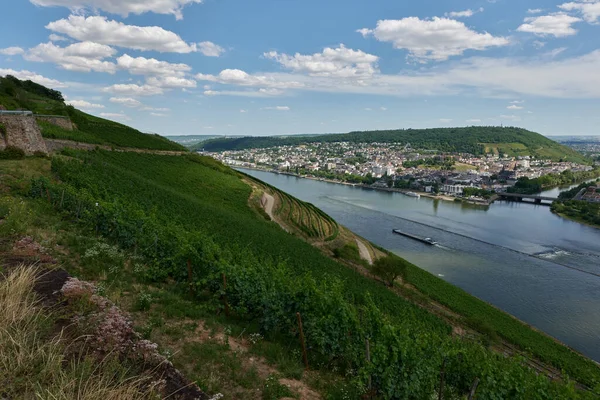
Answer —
268 67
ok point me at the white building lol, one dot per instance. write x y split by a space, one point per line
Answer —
453 189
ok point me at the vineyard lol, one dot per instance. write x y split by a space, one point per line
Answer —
304 217
192 210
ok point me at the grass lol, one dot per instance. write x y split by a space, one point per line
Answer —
493 322
170 302
33 361
15 94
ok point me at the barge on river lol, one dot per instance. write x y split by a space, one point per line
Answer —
428 241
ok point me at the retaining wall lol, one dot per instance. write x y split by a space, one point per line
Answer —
22 132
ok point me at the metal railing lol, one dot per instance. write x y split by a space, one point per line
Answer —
27 113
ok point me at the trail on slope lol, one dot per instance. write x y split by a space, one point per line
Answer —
267 202
364 252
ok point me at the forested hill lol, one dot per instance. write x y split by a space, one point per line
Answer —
475 140
27 95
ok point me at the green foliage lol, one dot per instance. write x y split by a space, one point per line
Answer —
472 191
390 268
273 390
12 153
475 140
569 194
2 130
173 209
526 185
480 314
348 252
27 95
578 210
437 161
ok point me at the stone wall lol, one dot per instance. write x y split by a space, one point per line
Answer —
22 132
64 123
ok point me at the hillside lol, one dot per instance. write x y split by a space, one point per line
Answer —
26 95
178 242
475 140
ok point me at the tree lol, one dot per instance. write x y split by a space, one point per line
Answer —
389 269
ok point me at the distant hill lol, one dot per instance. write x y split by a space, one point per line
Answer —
475 140
27 95
194 140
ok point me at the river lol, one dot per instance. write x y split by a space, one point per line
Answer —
539 267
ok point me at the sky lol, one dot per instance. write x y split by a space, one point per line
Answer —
272 67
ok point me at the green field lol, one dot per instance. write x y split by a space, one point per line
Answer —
174 209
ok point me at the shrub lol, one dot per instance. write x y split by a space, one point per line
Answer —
390 268
2 130
12 153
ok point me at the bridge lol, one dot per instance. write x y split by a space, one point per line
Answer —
537 199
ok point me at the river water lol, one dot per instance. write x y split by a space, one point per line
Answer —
539 267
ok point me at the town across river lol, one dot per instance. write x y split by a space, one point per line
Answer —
539 267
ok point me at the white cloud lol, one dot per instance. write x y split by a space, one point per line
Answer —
242 78
210 49
473 121
277 108
514 107
271 92
154 114
436 39
84 105
574 77
558 25
445 120
368 109
589 9
171 82
126 101
554 52
262 93
134 90
534 11
32 76
243 111
12 51
80 57
151 66
57 38
124 7
341 62
517 102
157 109
383 109
100 30
115 116
463 14
538 44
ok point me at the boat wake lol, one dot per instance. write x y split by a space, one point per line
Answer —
552 254
548 256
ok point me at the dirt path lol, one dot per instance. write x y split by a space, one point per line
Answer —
364 252
56 145
267 203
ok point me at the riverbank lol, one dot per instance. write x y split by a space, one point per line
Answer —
368 187
486 270
578 220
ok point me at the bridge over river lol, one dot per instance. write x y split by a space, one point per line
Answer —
537 199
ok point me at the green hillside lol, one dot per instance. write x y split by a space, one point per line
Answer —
26 95
168 211
475 140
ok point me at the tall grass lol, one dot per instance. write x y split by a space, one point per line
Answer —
34 361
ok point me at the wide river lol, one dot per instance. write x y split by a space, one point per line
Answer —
539 267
